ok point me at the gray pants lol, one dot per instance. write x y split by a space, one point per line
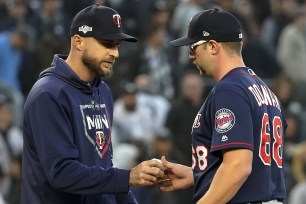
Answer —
271 202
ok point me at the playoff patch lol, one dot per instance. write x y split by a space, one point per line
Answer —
224 120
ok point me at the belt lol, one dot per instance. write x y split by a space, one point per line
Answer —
267 202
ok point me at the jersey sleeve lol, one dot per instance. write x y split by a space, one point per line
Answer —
232 121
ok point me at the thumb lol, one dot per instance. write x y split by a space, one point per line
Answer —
166 163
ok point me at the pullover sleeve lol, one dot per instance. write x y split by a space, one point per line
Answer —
50 129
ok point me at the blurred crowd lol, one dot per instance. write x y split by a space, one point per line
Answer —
157 91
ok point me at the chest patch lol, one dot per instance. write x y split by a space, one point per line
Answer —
224 120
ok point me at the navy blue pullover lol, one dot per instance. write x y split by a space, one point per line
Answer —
67 156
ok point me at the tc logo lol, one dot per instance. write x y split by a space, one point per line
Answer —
224 120
100 139
117 20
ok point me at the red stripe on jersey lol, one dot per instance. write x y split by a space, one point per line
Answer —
232 143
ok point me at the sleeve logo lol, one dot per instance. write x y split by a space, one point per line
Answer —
224 120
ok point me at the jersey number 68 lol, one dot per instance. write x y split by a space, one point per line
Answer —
265 149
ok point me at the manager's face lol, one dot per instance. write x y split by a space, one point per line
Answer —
99 56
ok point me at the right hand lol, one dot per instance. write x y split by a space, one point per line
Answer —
179 176
146 173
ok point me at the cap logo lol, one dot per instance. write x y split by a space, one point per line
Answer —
240 35
206 33
85 29
117 20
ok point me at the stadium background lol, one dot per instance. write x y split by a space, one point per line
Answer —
157 91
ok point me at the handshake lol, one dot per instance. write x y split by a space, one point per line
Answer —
167 175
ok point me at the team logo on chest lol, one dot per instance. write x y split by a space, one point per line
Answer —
96 126
224 120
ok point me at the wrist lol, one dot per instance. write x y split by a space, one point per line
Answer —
190 176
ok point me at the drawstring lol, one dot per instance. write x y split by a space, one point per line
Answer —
100 101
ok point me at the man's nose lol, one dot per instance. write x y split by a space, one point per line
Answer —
191 56
114 52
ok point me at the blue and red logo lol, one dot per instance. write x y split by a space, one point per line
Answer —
117 20
224 120
100 139
197 120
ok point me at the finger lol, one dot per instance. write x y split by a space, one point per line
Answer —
149 178
163 182
165 185
166 163
156 163
144 183
154 171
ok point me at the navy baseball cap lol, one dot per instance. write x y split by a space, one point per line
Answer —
212 24
100 22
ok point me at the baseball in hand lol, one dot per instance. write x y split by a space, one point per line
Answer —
157 160
160 180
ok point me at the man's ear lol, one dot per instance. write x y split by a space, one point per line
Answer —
78 42
214 47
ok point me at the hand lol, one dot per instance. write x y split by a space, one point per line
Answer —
179 176
146 173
